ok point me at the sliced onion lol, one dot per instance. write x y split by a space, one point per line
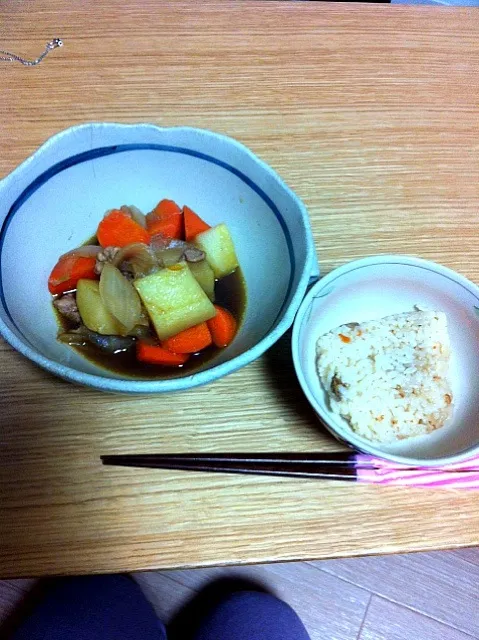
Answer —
138 257
167 257
151 217
138 216
168 251
111 344
131 251
135 214
72 338
144 320
120 296
85 251
140 331
82 336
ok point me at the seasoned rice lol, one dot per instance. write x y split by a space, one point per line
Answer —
388 378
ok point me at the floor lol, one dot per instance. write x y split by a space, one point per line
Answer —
425 596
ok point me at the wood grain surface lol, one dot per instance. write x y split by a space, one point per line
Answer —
371 113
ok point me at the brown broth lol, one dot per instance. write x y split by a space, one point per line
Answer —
230 292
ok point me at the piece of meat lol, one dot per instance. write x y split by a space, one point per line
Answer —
67 307
159 242
193 254
126 271
190 252
105 255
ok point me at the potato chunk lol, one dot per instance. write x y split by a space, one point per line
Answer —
174 300
219 248
204 276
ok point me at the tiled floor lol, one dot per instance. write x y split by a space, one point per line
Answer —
425 596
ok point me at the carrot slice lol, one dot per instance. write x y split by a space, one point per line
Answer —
118 229
68 270
171 227
193 224
167 219
164 209
222 327
155 354
190 340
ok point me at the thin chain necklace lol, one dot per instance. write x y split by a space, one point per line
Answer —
6 56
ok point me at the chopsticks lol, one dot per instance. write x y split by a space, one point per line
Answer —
341 465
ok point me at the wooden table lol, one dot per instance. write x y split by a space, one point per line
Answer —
371 113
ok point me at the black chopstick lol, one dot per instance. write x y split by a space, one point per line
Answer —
334 466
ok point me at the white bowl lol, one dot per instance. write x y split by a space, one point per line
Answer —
54 200
376 287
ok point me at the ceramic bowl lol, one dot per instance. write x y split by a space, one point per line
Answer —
54 200
376 287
